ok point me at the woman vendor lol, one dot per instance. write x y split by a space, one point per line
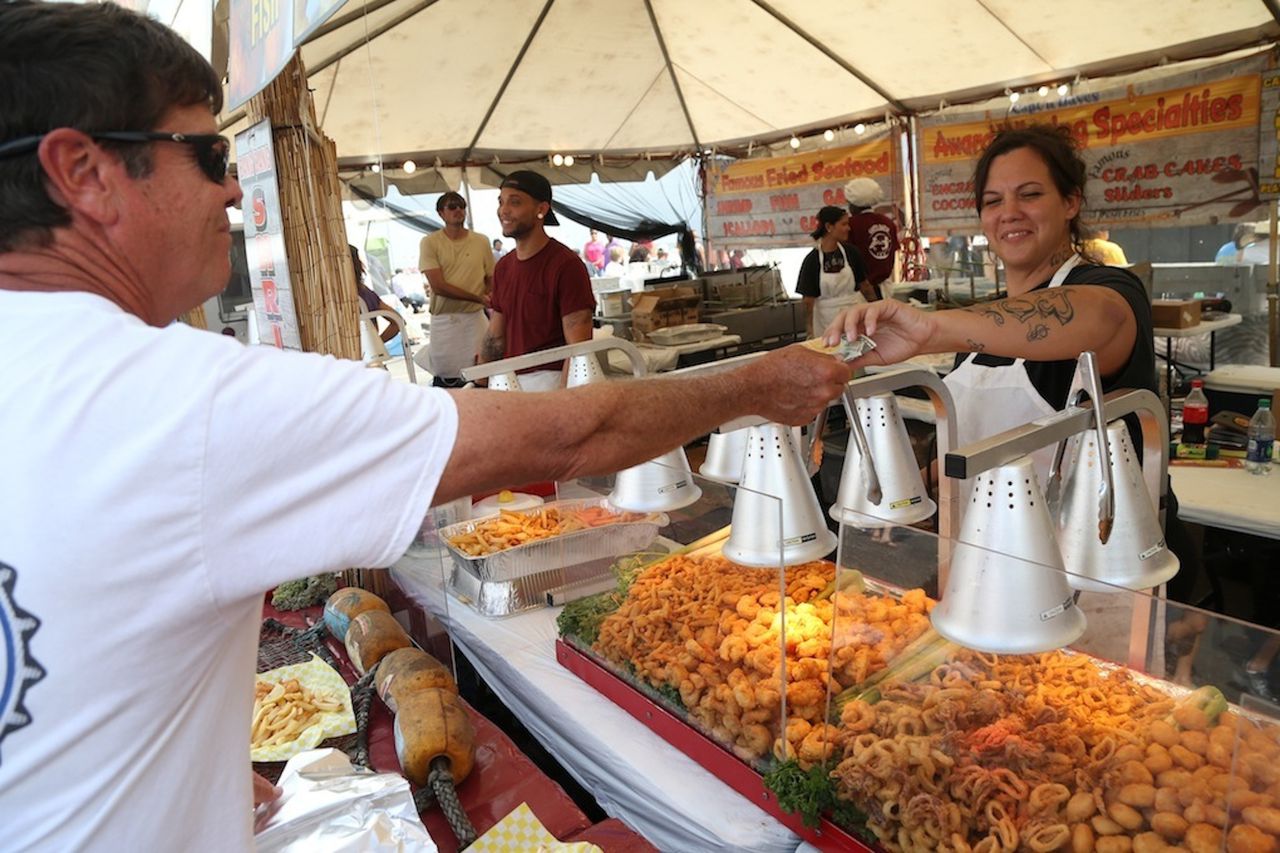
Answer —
832 277
1017 356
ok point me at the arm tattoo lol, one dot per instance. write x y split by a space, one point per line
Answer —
974 346
1038 332
1055 304
492 348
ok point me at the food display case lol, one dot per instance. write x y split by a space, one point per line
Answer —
829 687
887 687
833 682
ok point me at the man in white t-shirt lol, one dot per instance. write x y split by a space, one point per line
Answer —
157 480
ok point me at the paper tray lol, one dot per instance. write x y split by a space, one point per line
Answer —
557 552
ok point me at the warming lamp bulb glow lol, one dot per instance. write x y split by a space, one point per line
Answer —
1042 91
568 159
410 167
557 160
828 135
859 128
1063 88
795 143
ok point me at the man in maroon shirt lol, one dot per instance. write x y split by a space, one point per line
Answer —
875 236
541 291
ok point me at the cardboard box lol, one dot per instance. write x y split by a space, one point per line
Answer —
1175 313
663 308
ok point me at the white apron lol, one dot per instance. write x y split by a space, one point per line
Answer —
541 380
990 400
454 341
836 292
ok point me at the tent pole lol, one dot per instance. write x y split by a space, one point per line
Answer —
1273 296
703 182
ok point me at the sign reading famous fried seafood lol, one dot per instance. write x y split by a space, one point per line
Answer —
774 201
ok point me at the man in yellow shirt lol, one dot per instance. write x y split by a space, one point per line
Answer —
458 264
1104 251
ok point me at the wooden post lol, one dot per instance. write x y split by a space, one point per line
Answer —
322 278
320 270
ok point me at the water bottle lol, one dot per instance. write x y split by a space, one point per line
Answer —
1195 414
1262 433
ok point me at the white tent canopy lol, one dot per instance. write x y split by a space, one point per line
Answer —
466 81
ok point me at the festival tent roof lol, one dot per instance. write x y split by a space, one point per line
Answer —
626 84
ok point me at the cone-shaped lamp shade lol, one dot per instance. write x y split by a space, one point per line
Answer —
1135 556
662 484
725 454
904 498
504 382
584 369
773 466
1006 592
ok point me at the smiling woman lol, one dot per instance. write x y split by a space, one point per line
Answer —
1018 353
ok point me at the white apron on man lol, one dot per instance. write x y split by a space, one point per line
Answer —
836 292
453 341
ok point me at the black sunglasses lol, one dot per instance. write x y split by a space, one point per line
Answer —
455 205
212 152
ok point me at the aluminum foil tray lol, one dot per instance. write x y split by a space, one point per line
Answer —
518 578
507 598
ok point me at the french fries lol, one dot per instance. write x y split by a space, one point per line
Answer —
284 710
510 529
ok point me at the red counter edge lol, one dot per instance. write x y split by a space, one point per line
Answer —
707 753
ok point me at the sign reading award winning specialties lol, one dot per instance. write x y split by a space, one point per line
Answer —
264 238
1183 149
773 201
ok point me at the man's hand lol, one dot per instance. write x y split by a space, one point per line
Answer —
793 384
263 791
899 330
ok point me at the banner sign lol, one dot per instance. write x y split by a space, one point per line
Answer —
1269 131
264 34
1178 150
775 201
264 238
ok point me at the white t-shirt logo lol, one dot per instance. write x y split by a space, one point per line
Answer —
879 246
18 670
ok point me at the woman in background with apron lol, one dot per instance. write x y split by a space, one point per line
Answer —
832 277
1017 355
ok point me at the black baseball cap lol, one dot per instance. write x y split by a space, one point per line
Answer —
533 185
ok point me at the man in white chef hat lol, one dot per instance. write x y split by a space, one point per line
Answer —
875 235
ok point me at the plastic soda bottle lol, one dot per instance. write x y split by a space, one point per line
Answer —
1262 434
1195 414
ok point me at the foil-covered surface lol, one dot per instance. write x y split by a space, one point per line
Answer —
517 579
328 804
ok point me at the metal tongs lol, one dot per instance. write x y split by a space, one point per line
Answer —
848 351
1107 492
